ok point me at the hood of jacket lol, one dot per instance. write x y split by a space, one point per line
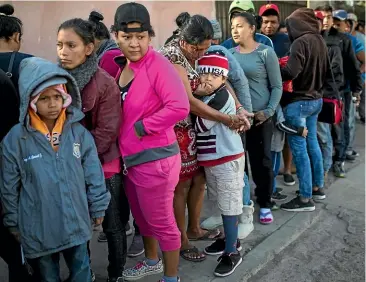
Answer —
38 74
301 22
106 45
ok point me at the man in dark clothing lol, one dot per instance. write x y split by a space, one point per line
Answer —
352 83
331 89
270 27
307 68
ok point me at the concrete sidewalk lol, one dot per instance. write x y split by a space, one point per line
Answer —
258 249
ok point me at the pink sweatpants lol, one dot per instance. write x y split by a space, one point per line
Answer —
150 192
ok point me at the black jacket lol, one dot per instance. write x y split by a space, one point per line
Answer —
307 64
351 66
335 83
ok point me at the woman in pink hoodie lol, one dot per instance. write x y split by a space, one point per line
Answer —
153 101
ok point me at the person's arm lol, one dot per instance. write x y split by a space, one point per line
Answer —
10 184
171 91
109 118
275 82
290 129
97 193
352 71
239 82
296 61
201 109
220 102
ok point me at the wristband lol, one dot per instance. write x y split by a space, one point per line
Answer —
239 108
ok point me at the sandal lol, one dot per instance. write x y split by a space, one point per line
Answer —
210 235
265 216
200 256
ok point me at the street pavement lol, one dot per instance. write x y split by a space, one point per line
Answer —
325 245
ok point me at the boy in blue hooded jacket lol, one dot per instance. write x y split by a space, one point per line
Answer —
52 181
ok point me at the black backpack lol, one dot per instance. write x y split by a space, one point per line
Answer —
9 106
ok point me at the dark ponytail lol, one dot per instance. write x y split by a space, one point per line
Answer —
9 25
101 32
180 21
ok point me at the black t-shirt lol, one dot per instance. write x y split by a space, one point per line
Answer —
5 60
124 90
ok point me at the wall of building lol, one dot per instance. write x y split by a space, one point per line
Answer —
41 19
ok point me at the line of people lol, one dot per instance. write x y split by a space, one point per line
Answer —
118 126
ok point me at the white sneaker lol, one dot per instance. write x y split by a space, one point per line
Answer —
246 226
212 222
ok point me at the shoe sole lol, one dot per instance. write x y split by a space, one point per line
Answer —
126 278
136 254
220 253
231 272
307 209
129 232
319 197
102 241
289 183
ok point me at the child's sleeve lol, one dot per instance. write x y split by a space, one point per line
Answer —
220 103
10 184
290 129
98 196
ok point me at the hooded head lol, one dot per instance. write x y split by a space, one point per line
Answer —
301 22
37 75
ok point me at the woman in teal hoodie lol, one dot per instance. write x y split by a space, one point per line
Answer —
51 186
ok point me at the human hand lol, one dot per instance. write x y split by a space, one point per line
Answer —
98 221
16 235
244 116
305 132
203 89
260 117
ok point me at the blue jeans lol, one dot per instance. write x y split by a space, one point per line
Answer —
276 163
77 260
305 113
326 144
246 191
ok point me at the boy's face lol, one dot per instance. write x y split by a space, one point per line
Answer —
342 26
213 80
49 105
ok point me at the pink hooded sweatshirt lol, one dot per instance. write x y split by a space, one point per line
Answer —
155 102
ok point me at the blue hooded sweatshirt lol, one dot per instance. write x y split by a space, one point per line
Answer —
50 197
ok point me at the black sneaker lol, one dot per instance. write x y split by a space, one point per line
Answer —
319 195
278 196
279 190
288 180
218 247
297 205
227 264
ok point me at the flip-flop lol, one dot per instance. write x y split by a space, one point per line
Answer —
193 250
208 235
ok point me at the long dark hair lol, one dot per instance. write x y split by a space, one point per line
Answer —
84 29
180 21
8 23
196 30
101 32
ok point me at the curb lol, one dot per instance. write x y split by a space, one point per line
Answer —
264 252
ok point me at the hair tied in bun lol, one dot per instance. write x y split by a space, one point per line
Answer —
95 17
6 10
